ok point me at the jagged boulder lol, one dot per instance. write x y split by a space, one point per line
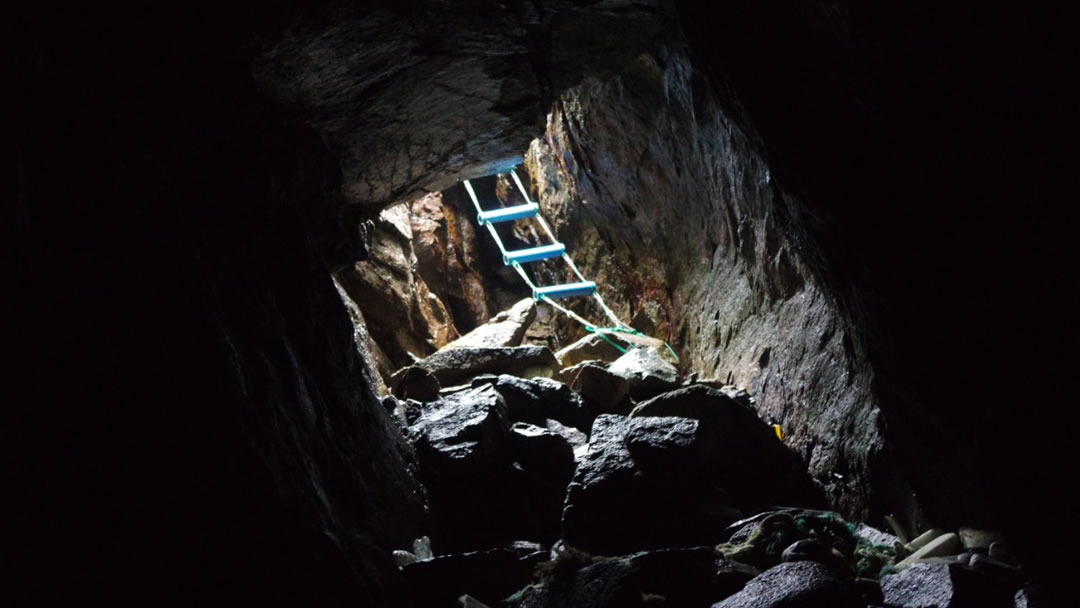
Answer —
795 585
464 435
948 586
616 504
603 391
647 374
538 400
543 465
504 329
578 441
456 365
542 451
732 436
592 347
489 483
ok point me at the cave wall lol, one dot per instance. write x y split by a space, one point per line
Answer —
189 418
192 422
670 206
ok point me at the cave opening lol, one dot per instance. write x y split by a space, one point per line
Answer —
192 417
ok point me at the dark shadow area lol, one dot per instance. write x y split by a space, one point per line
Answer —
933 143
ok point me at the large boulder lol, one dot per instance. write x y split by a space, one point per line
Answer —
638 487
947 586
464 435
538 400
504 329
489 482
456 365
603 391
544 463
647 373
542 451
732 435
466 463
795 585
592 347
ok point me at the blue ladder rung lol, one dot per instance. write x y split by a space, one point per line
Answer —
508 213
536 253
584 288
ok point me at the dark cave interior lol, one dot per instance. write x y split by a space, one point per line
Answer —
187 426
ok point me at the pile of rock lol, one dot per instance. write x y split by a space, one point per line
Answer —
618 483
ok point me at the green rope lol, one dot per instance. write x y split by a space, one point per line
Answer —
624 330
605 338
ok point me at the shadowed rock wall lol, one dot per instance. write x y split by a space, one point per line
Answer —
191 420
671 207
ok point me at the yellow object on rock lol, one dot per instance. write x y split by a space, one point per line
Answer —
776 427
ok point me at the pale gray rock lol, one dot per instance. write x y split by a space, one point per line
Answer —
454 365
875 536
795 585
592 347
464 435
946 544
920 586
646 372
504 329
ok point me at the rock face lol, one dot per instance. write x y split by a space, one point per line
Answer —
402 314
590 348
646 373
487 75
794 585
946 586
745 305
176 221
504 329
464 435
642 474
456 365
734 436
540 399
